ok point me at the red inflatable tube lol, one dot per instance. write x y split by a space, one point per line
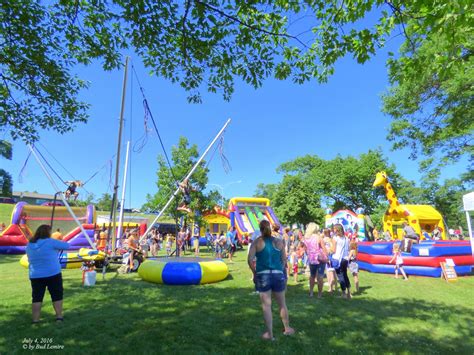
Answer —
417 261
13 240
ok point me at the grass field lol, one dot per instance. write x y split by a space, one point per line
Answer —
125 314
5 213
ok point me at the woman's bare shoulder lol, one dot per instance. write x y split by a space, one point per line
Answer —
279 243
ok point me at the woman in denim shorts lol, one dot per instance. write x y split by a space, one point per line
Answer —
269 275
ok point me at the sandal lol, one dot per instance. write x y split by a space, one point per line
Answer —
289 331
35 321
59 319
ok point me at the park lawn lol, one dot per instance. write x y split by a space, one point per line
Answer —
125 314
6 213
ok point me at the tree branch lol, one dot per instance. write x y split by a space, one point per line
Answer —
398 13
4 79
252 27
183 29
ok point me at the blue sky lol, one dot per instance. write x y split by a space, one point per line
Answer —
270 125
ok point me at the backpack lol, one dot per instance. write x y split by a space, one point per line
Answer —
316 254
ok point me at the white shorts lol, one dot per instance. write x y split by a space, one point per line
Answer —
353 267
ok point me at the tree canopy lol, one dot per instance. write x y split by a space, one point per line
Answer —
207 45
6 183
183 158
310 184
104 203
431 99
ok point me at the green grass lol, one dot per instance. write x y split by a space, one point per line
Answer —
6 213
125 314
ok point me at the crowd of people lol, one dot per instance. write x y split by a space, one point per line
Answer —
274 255
330 253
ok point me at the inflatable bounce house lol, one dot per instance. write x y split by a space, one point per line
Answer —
350 220
27 218
420 217
423 260
218 220
246 212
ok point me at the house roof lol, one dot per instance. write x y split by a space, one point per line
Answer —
27 194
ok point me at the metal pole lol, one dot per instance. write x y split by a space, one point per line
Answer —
117 163
122 200
469 228
187 177
54 206
61 196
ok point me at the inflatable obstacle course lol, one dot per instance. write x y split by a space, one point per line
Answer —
27 218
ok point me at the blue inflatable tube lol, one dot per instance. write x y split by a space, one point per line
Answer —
12 250
182 274
412 270
376 248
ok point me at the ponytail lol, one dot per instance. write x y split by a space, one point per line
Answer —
265 229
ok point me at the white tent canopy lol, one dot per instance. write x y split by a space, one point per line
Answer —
468 202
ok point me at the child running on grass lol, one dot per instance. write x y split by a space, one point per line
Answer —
397 256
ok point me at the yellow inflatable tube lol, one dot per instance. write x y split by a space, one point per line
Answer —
251 200
72 260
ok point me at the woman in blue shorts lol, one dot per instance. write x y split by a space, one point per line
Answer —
269 275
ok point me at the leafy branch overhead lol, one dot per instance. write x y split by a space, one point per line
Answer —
207 45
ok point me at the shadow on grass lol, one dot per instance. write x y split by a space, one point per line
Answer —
363 290
10 258
126 314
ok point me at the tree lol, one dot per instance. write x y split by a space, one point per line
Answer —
448 200
6 182
266 190
295 201
343 182
199 45
105 202
310 184
89 199
183 157
431 99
